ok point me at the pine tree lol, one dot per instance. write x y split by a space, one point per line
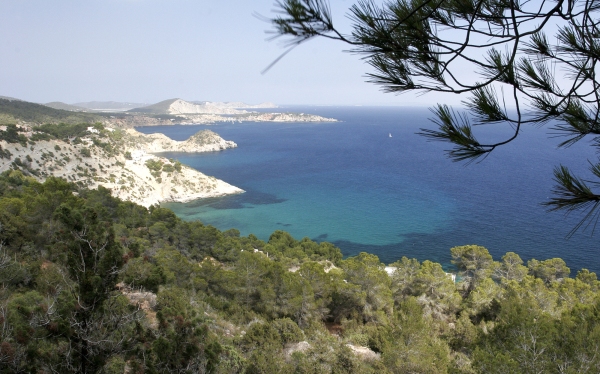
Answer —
529 63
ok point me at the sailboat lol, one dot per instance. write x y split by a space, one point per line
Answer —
390 135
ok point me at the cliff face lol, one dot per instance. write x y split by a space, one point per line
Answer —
202 141
286 117
183 107
122 161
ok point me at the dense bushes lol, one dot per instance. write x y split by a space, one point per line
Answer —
94 284
11 135
63 130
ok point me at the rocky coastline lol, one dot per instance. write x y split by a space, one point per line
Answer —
121 160
132 121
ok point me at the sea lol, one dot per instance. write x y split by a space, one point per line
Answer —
370 183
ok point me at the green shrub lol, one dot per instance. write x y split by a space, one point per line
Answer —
288 330
5 153
63 130
154 165
168 168
11 135
39 136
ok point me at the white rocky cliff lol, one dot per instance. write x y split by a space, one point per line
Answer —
120 160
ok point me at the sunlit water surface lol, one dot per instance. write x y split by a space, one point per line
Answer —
352 184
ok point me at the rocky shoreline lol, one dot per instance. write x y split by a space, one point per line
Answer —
121 161
132 121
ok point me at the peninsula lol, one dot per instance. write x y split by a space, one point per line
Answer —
121 160
95 144
183 112
167 112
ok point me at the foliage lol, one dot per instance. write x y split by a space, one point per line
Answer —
155 166
85 152
11 135
90 283
521 63
64 130
474 262
13 111
5 153
17 111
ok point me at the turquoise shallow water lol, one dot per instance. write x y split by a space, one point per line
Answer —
332 214
353 185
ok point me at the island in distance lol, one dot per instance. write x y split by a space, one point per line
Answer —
178 111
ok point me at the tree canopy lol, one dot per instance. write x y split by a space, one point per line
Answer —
93 284
519 63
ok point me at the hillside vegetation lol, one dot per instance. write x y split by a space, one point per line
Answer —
16 111
91 283
168 112
120 160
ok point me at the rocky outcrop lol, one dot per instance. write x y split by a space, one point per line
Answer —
182 107
179 107
202 141
364 353
121 161
285 117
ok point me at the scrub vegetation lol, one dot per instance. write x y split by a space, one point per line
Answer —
90 283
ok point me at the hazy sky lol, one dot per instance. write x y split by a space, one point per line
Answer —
152 50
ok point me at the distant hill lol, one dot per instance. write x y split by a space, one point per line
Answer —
9 98
65 106
158 108
14 111
108 106
182 107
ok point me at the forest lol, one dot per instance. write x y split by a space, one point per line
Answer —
93 284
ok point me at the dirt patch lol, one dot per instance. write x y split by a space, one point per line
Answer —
364 352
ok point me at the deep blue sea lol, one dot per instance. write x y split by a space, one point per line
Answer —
351 184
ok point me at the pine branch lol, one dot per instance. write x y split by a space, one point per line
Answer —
573 194
455 129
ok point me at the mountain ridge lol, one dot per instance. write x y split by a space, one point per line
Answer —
64 106
181 107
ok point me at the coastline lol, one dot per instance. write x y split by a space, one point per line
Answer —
132 121
122 161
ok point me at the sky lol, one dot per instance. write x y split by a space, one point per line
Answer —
146 51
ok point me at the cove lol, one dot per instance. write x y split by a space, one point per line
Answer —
351 184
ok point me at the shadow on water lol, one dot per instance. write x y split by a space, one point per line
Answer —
239 201
436 247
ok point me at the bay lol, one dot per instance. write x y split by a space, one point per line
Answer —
352 184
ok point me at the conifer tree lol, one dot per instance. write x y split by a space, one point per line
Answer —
528 63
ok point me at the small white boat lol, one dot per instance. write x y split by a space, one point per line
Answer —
390 134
